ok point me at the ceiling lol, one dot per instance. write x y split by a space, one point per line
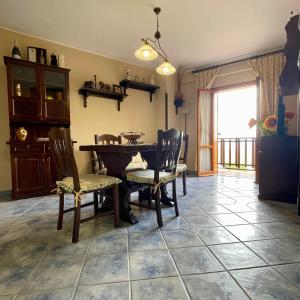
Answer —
194 32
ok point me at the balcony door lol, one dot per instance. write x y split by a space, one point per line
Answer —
207 155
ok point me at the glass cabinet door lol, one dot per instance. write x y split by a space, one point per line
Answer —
55 96
55 85
24 91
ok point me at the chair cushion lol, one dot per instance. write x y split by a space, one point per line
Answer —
181 168
147 176
88 183
102 172
137 163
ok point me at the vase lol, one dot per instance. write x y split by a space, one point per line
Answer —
21 134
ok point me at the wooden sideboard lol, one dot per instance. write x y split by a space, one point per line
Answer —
277 158
38 98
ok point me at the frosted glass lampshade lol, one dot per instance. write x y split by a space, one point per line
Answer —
165 69
146 53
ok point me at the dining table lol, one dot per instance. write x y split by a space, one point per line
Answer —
116 157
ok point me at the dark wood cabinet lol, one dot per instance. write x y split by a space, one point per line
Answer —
277 157
38 99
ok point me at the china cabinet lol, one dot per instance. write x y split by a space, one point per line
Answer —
38 99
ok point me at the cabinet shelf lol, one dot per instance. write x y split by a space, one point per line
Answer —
131 84
86 92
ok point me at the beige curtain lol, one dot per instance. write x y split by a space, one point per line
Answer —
268 68
204 81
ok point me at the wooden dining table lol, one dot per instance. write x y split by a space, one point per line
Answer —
116 158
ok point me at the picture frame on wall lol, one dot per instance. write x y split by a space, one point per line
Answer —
38 55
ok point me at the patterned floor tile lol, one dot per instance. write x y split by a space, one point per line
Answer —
290 272
108 243
12 278
265 283
213 286
146 241
182 238
195 260
236 256
247 232
159 289
274 252
64 294
216 235
151 264
229 219
112 291
55 273
105 269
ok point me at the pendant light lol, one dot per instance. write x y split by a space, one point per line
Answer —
152 48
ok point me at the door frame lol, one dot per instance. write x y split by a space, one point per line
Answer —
212 146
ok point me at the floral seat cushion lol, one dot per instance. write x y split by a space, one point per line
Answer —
147 176
181 168
88 183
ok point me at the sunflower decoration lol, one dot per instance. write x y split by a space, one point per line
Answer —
269 125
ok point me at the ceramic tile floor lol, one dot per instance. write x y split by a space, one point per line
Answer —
226 244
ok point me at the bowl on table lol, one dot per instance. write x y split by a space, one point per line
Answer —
133 137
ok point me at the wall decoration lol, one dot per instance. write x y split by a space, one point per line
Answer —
31 51
38 55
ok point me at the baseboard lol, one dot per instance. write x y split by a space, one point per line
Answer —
191 173
5 195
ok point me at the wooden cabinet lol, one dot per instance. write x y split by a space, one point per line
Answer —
277 157
38 99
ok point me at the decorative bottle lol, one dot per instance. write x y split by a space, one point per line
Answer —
15 51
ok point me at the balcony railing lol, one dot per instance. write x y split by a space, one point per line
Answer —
237 153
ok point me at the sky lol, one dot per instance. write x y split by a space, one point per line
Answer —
235 109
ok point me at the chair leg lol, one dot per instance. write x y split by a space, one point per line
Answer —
76 224
157 208
101 198
174 196
116 205
96 203
60 211
184 182
149 197
140 197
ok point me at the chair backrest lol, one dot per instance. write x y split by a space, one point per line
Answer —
104 139
62 152
185 141
107 139
168 151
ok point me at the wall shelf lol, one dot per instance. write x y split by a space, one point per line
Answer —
131 84
86 92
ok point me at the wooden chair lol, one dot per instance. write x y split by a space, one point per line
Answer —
70 182
104 139
167 156
182 166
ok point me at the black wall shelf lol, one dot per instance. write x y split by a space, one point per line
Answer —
130 84
86 92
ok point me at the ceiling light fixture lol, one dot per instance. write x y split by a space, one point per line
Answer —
152 48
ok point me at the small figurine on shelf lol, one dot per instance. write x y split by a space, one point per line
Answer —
53 60
117 89
61 60
95 81
101 85
152 81
89 84
21 134
128 74
15 51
